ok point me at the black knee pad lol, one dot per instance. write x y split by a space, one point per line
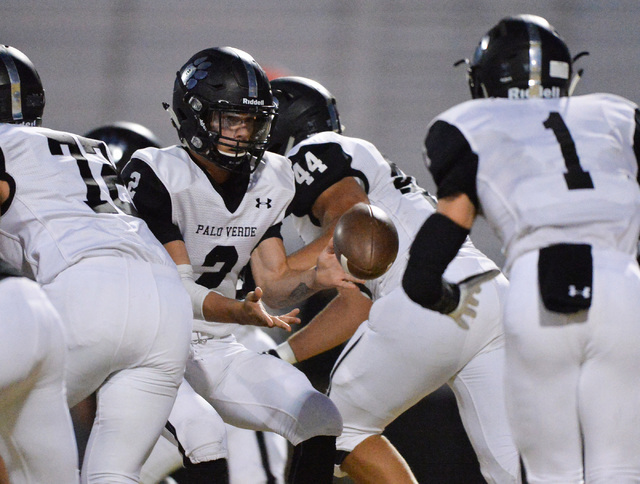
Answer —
205 472
313 461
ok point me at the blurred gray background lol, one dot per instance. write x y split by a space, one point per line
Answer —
389 63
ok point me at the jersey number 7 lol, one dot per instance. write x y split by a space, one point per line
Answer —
108 173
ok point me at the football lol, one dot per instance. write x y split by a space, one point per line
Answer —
365 241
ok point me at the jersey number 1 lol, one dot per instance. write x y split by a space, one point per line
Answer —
575 177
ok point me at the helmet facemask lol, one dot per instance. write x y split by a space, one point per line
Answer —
237 138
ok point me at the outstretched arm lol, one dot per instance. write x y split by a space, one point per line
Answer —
284 286
331 327
211 306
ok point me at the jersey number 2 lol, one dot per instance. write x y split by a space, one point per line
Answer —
221 259
575 177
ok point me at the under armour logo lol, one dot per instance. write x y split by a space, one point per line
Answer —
260 202
585 292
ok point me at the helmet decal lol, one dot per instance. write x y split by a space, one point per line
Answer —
14 79
195 72
535 60
252 77
22 97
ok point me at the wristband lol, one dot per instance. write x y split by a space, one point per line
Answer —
197 293
286 353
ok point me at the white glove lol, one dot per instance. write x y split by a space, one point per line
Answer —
467 302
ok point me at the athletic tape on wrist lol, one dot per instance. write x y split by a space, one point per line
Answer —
286 353
197 293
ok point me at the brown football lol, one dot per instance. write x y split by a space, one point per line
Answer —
365 241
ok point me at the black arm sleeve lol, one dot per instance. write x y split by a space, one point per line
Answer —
451 161
151 199
434 247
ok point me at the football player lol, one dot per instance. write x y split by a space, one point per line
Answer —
37 443
216 202
256 457
557 176
126 314
398 352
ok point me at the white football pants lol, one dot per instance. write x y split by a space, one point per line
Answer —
405 352
572 380
37 442
128 326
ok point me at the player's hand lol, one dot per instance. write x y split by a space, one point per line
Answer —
467 303
329 272
254 313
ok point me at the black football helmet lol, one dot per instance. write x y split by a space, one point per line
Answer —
123 138
213 86
21 91
305 107
521 57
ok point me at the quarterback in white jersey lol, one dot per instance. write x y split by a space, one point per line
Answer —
124 309
401 352
253 456
36 434
557 176
217 203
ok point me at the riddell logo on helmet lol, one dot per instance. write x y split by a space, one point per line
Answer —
254 102
547 93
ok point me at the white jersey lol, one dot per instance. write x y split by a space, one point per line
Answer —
220 225
574 160
62 182
325 158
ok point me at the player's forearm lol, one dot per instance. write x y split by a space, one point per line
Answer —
220 309
332 326
306 257
289 289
